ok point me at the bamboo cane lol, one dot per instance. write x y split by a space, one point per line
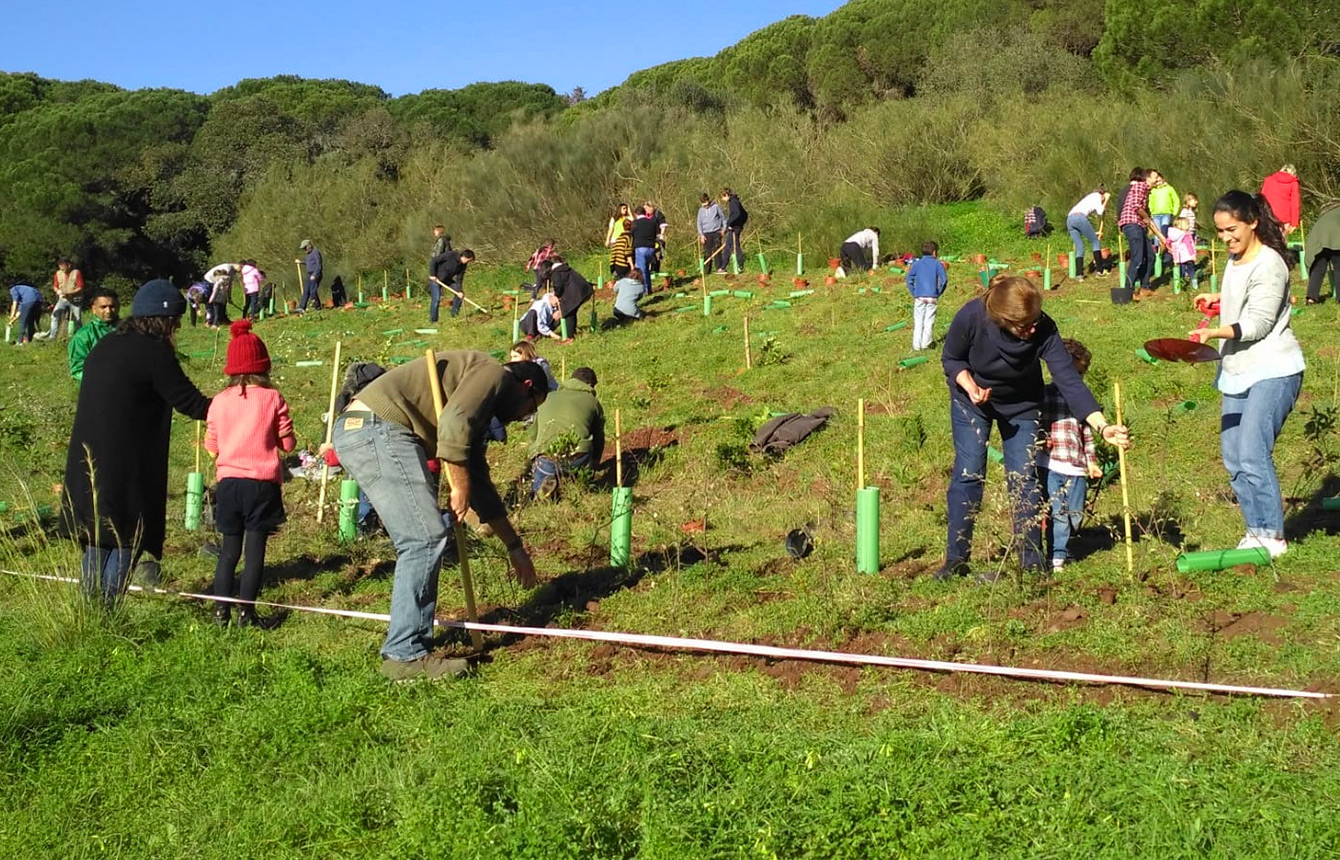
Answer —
618 449
297 265
748 353
197 446
860 443
1125 490
462 551
330 430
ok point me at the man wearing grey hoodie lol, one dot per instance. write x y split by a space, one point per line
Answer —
711 230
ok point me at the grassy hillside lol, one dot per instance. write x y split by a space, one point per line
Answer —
153 734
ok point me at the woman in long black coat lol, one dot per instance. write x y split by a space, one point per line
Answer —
116 468
572 290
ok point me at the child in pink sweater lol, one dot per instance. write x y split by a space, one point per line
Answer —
247 428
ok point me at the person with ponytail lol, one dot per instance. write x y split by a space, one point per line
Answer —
1261 373
993 354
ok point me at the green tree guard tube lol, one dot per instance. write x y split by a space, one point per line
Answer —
1214 283
409 291
1047 278
1121 272
195 500
896 326
621 527
1218 559
1331 504
800 265
707 306
742 294
735 264
1144 356
867 530
1177 280
1184 407
516 330
563 328
594 321
762 263
1070 260
795 294
905 363
1158 265
348 524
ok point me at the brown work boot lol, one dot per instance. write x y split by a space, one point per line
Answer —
429 667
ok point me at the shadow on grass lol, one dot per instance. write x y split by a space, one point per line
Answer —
1310 518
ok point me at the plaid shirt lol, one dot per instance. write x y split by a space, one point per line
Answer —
1069 443
541 254
1137 201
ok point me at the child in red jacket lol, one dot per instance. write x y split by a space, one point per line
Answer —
247 428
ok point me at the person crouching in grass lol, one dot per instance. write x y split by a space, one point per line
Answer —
248 427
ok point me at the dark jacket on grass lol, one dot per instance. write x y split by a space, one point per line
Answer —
572 410
122 427
1010 367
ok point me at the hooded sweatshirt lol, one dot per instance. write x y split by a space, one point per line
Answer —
1281 191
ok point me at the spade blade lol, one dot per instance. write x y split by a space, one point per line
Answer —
1177 349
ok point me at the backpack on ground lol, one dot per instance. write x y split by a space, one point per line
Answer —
1035 222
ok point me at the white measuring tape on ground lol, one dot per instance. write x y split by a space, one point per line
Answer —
772 652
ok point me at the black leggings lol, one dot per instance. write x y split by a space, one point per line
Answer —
229 554
1326 259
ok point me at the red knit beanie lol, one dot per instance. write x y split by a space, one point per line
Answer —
246 351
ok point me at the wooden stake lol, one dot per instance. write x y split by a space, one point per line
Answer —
301 281
197 446
618 449
563 368
386 280
748 353
330 430
1125 489
462 551
860 443
1212 258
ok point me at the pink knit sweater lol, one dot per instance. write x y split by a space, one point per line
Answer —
247 432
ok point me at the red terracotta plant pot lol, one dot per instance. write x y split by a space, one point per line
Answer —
979 259
829 280
1037 258
834 262
1063 259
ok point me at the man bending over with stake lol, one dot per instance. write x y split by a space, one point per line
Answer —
384 439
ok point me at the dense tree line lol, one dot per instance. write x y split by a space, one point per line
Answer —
879 103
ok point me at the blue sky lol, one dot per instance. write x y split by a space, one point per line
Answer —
401 47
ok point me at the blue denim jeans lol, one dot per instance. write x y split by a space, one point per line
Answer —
1067 501
29 313
311 291
104 572
643 258
389 465
1137 271
1081 230
434 298
64 307
1250 424
971 429
544 467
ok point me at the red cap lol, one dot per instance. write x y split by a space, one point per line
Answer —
246 351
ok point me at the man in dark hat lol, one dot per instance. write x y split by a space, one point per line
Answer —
312 283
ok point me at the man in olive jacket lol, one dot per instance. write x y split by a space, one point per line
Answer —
384 439
568 432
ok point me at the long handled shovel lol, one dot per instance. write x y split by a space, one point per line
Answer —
1125 490
330 430
462 550
464 297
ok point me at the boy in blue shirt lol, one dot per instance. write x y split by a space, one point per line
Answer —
25 307
926 281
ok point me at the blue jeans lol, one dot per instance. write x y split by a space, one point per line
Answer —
1250 424
434 299
971 429
1137 271
29 313
1067 497
104 573
251 305
457 298
643 258
389 465
1081 230
544 467
310 292
59 310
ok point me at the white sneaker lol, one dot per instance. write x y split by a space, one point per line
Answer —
1058 563
1275 546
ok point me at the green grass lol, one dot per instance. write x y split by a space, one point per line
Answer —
153 734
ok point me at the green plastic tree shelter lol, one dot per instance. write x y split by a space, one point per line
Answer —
348 524
1218 559
195 500
621 512
867 505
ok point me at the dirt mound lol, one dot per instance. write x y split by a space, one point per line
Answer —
728 397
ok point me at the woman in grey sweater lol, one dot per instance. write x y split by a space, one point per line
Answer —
1262 368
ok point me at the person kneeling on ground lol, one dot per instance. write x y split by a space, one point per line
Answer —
861 250
385 438
541 319
568 433
627 292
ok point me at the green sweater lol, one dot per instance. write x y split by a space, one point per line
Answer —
83 342
572 410
476 389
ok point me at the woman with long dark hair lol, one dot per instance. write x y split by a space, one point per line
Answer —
117 464
1261 373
